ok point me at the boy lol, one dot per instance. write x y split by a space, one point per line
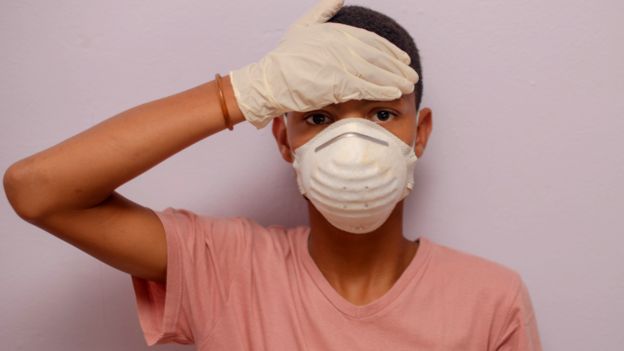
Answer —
346 84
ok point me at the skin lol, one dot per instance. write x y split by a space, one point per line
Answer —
360 267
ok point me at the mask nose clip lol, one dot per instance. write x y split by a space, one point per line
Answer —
350 135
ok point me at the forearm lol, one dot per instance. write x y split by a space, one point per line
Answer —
85 169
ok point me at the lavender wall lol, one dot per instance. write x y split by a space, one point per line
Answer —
524 167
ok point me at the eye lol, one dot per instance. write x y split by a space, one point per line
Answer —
317 119
384 115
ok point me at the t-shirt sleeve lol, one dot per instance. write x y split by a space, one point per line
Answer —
202 259
520 331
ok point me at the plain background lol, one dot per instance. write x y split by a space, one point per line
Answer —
524 165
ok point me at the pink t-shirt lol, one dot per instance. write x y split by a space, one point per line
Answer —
233 284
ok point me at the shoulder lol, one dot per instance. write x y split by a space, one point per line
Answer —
273 238
485 288
224 231
459 267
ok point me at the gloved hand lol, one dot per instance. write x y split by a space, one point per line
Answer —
318 63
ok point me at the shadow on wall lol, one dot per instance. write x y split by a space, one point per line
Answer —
268 195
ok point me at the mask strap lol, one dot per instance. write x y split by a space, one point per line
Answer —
416 135
292 153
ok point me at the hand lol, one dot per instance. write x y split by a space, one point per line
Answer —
318 63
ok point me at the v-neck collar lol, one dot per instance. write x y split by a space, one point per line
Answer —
412 273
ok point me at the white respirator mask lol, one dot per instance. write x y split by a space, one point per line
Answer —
355 172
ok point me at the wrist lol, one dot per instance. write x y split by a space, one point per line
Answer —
236 115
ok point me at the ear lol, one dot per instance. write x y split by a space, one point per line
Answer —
280 133
423 131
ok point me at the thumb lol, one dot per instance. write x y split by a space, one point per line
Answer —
320 13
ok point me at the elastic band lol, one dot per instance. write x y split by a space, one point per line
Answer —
226 114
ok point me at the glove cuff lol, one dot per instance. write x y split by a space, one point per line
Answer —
248 87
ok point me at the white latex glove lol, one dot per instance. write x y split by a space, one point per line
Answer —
318 63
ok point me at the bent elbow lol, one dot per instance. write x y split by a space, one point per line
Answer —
15 187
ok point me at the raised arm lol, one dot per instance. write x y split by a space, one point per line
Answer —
69 188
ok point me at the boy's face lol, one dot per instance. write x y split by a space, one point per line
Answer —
397 116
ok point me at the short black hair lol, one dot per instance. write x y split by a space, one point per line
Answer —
384 26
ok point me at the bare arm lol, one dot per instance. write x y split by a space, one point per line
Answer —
69 188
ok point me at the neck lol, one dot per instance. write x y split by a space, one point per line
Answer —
360 266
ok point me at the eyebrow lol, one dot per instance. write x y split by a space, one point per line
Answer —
366 103
373 102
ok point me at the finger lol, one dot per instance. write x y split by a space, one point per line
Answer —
321 12
379 76
358 66
361 89
371 38
382 60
